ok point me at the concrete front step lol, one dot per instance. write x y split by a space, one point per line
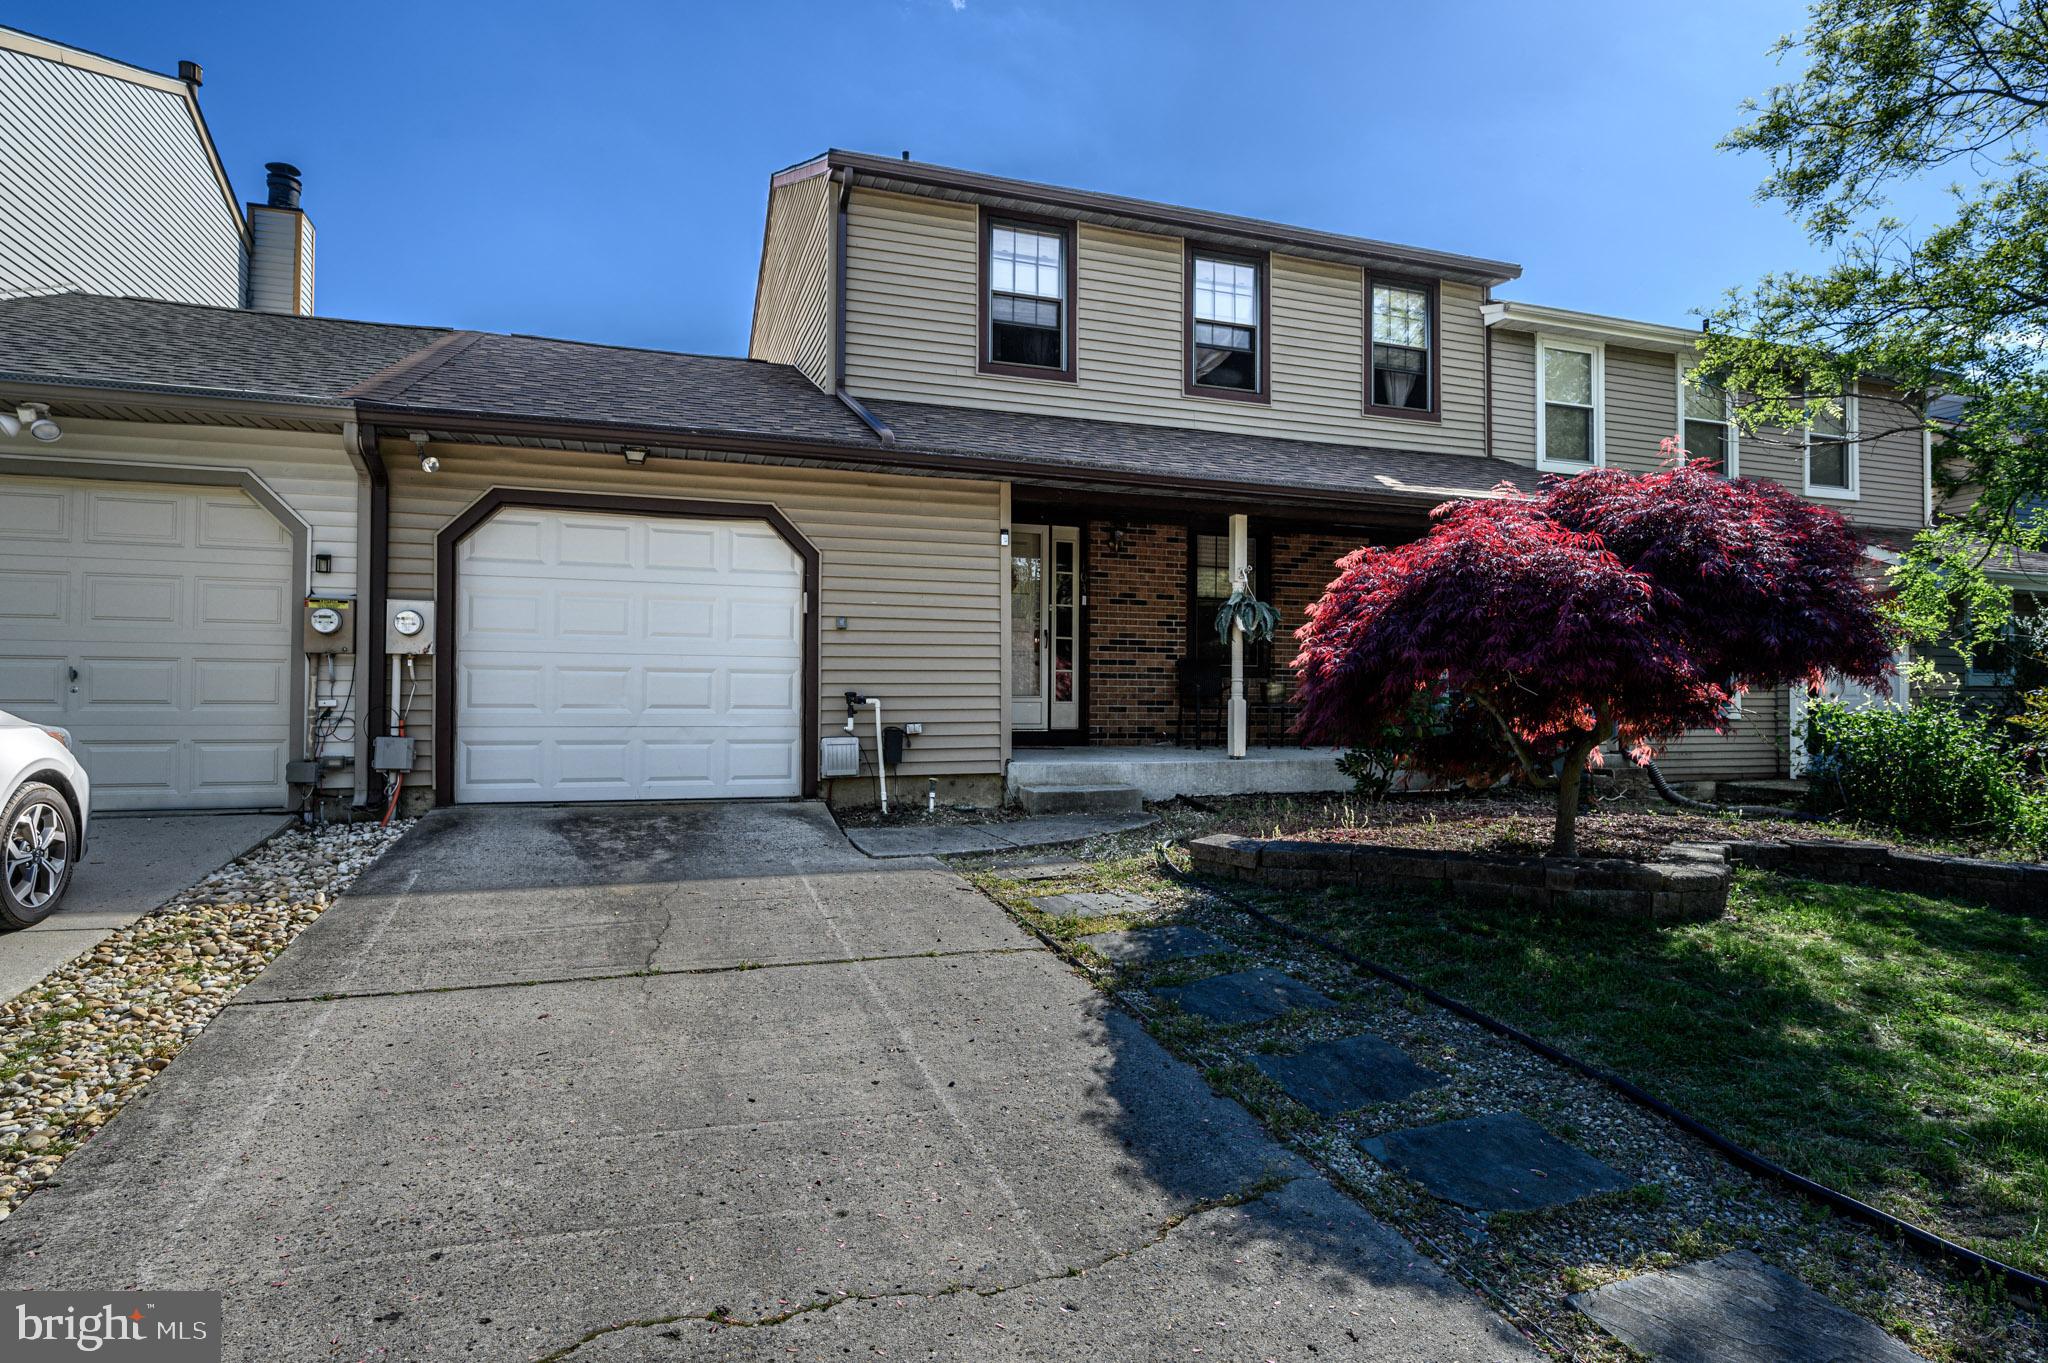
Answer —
1080 799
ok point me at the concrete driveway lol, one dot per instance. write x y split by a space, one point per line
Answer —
585 1083
133 863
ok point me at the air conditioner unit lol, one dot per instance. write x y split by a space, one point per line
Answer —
839 757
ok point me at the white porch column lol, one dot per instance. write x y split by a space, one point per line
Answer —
1240 569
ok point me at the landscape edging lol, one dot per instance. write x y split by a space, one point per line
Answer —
1687 883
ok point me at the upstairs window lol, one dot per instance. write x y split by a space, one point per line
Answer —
1227 317
1029 299
1568 389
1402 378
1831 450
1707 428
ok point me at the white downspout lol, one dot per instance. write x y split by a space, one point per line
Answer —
1240 570
881 767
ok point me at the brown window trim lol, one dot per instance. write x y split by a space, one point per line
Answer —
1257 530
1263 262
1435 410
1070 342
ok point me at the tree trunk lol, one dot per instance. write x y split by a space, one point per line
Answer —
1564 842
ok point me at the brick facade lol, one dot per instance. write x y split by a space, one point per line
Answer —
1137 630
1138 621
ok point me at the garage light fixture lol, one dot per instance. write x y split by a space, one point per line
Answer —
428 463
34 418
635 455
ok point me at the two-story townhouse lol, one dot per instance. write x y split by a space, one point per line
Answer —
156 547
981 471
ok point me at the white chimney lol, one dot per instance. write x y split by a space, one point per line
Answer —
281 247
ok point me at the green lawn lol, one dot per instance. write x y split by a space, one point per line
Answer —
1890 1045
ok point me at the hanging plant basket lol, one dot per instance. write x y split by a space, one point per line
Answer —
1258 619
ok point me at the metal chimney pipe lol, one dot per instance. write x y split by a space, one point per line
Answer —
284 184
192 74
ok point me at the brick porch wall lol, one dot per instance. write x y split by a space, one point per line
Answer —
1138 627
1304 562
1137 630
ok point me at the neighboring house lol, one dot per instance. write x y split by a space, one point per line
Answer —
114 186
978 468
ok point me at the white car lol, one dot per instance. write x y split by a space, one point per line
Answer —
45 802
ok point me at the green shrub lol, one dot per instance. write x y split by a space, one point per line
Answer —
1933 769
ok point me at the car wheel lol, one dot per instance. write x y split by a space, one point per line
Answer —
37 855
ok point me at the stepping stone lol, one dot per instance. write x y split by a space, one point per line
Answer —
1045 870
1337 1076
1499 1163
1736 1306
1093 904
1149 946
1258 995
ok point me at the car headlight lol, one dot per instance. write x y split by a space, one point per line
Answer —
61 735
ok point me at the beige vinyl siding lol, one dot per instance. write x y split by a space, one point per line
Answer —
913 268
109 186
914 565
1642 407
1754 746
793 316
1893 465
280 260
310 473
1514 396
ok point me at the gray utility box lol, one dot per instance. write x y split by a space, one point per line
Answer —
388 752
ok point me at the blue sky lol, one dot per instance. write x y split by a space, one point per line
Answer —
599 170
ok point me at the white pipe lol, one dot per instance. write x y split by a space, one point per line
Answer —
881 768
394 692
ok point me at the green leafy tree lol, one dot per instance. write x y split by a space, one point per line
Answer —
1894 93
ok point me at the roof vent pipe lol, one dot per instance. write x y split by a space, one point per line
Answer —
284 184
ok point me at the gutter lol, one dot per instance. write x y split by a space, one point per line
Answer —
989 469
844 180
376 589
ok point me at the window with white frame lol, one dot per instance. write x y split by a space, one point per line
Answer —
1225 316
1568 389
1707 425
1400 348
1831 451
1027 302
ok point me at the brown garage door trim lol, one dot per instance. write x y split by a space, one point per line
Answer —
681 508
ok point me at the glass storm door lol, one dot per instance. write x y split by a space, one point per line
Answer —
1045 633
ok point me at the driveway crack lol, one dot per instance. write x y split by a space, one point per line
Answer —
718 1316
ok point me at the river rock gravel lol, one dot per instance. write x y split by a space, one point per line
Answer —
81 1043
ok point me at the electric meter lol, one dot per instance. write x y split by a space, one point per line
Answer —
329 625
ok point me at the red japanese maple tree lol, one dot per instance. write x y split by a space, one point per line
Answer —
1612 605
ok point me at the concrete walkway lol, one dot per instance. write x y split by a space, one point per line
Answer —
133 862
950 840
606 1084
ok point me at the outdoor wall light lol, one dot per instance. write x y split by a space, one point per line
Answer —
428 463
33 417
635 455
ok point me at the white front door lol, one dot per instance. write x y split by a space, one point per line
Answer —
619 657
1045 627
156 622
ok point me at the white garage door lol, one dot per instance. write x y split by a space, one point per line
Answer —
155 622
611 657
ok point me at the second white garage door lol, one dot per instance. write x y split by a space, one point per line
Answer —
612 657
